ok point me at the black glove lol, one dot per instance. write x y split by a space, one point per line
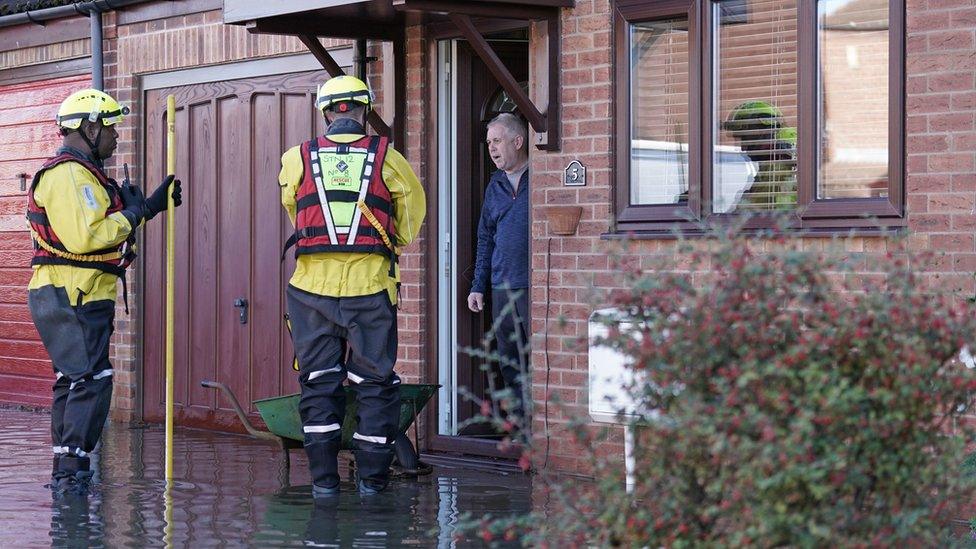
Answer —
159 202
133 204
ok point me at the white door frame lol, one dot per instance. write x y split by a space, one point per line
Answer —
447 290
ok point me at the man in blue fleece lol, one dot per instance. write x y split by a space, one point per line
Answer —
503 254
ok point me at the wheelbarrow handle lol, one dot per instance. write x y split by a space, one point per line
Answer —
253 431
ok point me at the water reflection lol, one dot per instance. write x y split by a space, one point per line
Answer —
228 492
391 519
76 521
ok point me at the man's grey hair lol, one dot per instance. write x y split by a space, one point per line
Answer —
513 124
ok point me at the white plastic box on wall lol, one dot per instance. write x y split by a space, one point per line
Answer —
609 374
610 377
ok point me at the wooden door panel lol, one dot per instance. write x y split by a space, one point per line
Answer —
229 237
153 259
267 276
202 254
298 123
234 227
152 250
185 236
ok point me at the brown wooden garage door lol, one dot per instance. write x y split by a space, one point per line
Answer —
229 236
28 136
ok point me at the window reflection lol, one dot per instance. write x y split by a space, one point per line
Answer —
754 158
659 112
853 101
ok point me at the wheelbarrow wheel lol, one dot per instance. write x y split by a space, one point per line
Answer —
406 460
398 471
420 470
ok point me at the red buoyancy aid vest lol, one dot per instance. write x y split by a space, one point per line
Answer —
48 248
343 204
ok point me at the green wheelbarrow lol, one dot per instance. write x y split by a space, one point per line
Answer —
284 423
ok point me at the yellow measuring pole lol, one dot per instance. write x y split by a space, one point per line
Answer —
170 274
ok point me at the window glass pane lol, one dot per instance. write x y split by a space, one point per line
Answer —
503 103
754 159
853 56
659 112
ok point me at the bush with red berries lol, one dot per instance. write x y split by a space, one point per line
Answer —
791 400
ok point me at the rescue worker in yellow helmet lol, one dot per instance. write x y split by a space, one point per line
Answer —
83 227
354 201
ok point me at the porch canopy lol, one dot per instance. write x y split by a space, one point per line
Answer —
387 20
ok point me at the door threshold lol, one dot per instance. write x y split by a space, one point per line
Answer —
480 463
458 445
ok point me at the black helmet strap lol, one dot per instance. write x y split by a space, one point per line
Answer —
93 145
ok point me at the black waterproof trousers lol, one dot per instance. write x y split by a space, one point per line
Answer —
339 338
510 311
77 340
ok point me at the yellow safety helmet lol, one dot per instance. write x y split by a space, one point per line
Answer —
341 90
92 105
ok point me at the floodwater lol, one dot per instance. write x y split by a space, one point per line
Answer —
230 491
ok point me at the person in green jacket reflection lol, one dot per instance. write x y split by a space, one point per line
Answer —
760 128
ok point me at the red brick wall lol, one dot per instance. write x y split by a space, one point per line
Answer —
28 136
941 102
413 262
576 261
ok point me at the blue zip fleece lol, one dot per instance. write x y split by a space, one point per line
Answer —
503 236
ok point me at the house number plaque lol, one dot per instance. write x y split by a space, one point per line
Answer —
575 174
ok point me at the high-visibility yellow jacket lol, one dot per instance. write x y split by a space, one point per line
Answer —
346 274
75 203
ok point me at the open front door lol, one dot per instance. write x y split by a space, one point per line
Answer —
470 97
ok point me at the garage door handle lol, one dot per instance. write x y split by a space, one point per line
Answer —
241 303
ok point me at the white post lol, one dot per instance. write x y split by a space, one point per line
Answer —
629 456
